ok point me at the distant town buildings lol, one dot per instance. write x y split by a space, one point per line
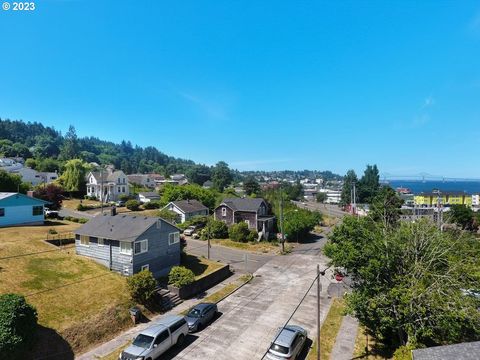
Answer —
28 175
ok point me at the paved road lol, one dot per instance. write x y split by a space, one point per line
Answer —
328 209
250 317
76 214
234 257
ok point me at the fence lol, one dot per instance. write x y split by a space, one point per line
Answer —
61 239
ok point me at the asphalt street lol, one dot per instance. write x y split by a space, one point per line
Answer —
328 209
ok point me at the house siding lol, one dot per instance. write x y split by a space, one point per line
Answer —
241 216
228 219
19 211
160 255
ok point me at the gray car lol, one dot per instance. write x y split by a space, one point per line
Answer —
157 339
200 315
288 343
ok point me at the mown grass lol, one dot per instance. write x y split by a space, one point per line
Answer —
114 354
200 265
262 246
329 330
361 350
65 288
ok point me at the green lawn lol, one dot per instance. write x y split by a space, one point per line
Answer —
200 265
262 246
66 289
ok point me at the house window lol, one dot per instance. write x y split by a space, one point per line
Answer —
118 189
125 248
123 189
37 210
173 238
84 240
247 222
145 267
224 211
2 211
124 180
101 242
141 246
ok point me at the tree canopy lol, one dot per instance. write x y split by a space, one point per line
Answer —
409 279
221 176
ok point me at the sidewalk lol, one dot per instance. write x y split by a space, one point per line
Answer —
345 341
123 338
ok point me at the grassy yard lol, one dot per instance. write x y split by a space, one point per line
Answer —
329 331
73 203
65 288
360 350
200 265
262 246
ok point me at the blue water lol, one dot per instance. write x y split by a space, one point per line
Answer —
418 186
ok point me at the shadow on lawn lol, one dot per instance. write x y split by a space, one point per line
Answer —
50 346
193 263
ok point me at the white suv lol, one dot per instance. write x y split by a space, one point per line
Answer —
157 339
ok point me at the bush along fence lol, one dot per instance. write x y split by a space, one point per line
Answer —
202 284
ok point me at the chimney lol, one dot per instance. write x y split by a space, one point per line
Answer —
30 193
113 211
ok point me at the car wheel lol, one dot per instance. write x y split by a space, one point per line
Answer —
180 340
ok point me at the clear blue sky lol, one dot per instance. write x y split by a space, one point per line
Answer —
260 84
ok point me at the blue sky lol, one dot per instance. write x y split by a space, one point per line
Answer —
260 84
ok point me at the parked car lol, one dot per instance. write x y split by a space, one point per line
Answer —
120 203
200 315
157 339
190 230
288 343
51 213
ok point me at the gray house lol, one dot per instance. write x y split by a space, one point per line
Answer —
129 244
252 211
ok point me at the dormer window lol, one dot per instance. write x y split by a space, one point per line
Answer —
224 211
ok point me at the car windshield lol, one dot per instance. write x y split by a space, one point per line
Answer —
279 348
143 341
194 313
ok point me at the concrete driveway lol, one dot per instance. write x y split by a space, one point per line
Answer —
250 317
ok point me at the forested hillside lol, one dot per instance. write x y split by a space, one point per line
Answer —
48 150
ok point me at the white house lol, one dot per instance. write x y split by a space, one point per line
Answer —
107 185
19 209
476 200
27 174
145 197
186 209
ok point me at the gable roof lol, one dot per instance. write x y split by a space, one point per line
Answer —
118 227
6 195
462 351
243 204
105 175
150 194
188 206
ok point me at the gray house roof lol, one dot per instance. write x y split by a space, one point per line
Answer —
243 204
462 351
118 227
105 176
150 195
188 206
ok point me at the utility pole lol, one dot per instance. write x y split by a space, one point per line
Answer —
281 221
318 311
208 246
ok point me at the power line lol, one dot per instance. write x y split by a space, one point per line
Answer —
66 285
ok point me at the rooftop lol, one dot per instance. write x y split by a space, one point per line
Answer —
462 351
189 205
243 204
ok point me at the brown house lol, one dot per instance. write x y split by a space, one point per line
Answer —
254 212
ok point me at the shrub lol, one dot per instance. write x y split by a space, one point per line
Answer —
124 197
141 286
132 205
151 205
18 324
253 236
52 231
81 207
180 276
82 220
403 353
215 229
168 215
239 232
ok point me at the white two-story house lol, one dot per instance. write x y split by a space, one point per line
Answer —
107 185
